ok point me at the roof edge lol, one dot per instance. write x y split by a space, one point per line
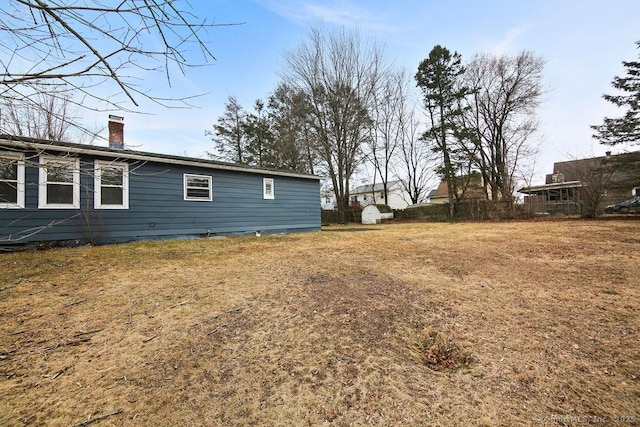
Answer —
26 143
554 186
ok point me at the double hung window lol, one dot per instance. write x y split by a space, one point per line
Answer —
59 183
11 181
111 184
268 189
197 187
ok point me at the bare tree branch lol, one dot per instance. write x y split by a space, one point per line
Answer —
501 112
96 49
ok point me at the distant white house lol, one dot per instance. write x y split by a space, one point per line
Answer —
327 200
398 197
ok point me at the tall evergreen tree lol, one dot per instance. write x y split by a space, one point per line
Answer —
229 134
439 78
257 130
625 129
275 136
293 147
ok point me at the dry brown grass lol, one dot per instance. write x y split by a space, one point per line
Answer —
399 324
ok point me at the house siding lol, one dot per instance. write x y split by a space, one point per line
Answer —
157 208
366 195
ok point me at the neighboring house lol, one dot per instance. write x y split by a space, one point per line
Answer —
328 200
431 194
64 193
475 189
565 190
398 197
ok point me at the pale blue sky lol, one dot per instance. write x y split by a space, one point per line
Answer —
583 42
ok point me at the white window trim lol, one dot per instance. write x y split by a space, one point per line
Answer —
97 184
42 183
265 194
197 199
20 181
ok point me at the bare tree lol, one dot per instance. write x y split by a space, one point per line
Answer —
501 112
417 164
338 73
77 46
388 114
595 176
43 116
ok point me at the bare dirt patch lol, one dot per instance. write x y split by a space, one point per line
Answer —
406 324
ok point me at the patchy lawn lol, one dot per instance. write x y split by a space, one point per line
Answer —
412 324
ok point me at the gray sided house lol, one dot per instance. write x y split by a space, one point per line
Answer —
573 183
61 193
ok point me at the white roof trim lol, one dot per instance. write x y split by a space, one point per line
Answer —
148 157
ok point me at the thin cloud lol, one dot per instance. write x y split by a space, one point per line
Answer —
510 40
337 12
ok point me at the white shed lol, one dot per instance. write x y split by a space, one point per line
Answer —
374 214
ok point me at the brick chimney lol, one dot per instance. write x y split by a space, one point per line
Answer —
116 132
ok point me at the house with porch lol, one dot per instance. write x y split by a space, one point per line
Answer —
614 177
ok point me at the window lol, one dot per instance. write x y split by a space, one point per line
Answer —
197 187
268 188
59 183
11 181
111 185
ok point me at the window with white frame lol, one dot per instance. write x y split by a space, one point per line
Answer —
59 183
111 185
197 187
268 189
11 181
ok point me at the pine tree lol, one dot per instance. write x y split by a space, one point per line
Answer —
260 147
625 129
229 134
293 145
439 76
